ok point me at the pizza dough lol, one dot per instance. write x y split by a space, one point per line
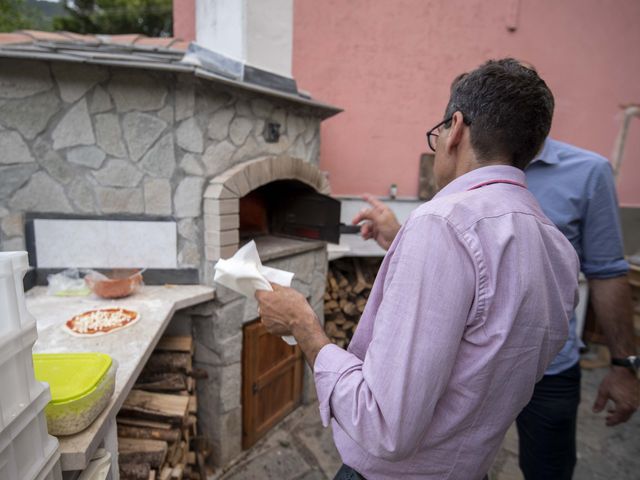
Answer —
102 321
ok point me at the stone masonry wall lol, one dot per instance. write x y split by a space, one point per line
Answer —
92 140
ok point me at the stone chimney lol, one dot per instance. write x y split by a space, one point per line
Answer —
256 32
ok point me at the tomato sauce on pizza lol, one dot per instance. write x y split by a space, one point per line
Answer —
101 321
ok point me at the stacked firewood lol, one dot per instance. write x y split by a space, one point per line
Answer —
349 282
157 433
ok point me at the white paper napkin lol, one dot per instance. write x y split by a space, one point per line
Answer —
244 273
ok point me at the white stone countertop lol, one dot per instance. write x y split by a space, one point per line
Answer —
130 347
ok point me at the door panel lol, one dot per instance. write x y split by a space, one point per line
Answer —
271 384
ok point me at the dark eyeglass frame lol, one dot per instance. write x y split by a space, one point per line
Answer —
432 135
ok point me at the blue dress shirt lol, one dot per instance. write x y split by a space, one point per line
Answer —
576 190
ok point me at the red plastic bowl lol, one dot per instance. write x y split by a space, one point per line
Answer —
121 283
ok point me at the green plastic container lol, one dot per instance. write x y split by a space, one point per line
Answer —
81 385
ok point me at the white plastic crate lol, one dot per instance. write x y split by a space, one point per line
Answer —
16 371
51 470
13 309
25 446
9 312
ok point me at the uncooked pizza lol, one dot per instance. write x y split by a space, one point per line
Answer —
101 321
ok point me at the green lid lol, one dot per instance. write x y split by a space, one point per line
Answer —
70 376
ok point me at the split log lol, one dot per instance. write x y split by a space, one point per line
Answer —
167 362
136 422
199 373
333 283
156 406
192 423
177 343
134 471
163 382
176 473
165 473
152 475
330 329
134 450
348 325
361 283
178 454
331 306
350 309
126 431
342 280
339 334
193 404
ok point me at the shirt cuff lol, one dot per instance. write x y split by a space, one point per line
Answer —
612 269
332 362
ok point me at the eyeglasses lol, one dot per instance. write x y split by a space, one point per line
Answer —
434 133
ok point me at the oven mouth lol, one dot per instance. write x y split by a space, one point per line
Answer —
289 208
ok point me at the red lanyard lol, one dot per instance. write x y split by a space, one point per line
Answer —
492 182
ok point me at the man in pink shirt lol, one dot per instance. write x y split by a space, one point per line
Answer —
471 303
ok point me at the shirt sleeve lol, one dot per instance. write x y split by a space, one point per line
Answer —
386 402
602 246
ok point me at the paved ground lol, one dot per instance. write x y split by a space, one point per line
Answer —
300 449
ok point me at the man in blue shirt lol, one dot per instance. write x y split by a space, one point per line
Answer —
576 190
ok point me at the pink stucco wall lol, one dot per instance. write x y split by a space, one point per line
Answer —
389 65
184 19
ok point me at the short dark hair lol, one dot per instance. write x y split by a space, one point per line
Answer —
508 108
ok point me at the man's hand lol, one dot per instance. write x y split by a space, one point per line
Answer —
611 300
285 311
620 386
381 224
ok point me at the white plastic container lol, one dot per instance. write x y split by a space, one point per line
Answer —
51 470
17 335
9 313
19 264
16 370
25 446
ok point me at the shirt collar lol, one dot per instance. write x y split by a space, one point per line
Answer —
547 154
481 175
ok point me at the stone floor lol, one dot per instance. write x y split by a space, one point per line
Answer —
300 449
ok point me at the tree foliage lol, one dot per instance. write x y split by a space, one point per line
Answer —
16 15
149 17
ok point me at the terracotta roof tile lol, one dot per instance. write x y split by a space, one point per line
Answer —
77 37
180 45
163 42
125 39
45 36
14 38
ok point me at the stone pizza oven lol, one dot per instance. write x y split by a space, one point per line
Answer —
120 128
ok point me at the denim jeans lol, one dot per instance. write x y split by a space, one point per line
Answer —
347 473
547 427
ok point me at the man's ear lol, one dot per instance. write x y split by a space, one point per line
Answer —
455 132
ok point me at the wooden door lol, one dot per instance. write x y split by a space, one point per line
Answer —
271 381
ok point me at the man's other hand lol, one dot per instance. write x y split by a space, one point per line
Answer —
620 386
380 223
283 309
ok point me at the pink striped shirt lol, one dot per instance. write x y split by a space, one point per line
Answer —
470 305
